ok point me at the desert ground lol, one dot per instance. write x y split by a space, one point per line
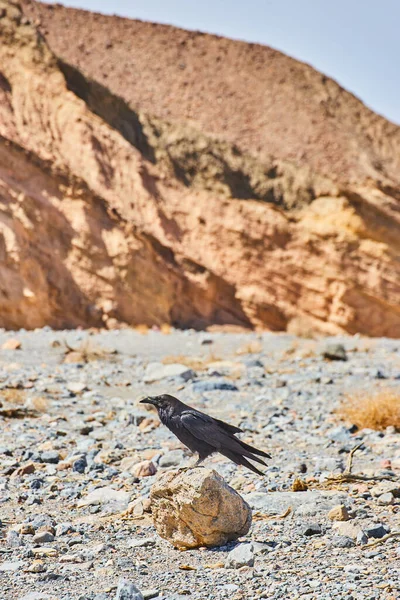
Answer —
79 455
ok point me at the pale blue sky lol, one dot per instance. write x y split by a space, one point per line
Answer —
357 42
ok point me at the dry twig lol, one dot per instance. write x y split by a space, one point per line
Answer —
261 517
347 476
383 539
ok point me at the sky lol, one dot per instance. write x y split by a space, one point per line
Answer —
356 42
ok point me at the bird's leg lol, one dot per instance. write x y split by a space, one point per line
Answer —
193 466
198 463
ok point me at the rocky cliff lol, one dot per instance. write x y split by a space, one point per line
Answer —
153 175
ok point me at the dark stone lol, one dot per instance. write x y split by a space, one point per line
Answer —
311 529
36 484
209 386
5 451
79 465
51 457
253 362
342 541
380 375
335 352
86 429
377 531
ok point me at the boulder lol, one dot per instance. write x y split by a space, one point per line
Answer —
198 508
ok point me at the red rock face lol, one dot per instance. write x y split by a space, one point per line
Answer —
156 207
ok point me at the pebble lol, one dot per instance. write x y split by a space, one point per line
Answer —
362 538
376 531
146 468
310 529
11 344
335 352
386 499
13 539
52 457
76 387
242 555
127 591
64 529
339 513
142 543
27 469
79 465
43 537
342 541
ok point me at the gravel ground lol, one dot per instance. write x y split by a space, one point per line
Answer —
70 429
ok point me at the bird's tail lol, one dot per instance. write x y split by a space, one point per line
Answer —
241 460
253 450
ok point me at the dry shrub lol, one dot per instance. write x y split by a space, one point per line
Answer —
372 411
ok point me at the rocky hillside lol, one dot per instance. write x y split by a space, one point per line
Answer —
152 175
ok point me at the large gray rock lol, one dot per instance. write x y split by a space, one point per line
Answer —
241 556
128 591
198 508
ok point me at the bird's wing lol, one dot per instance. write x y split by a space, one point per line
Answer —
227 427
208 430
203 427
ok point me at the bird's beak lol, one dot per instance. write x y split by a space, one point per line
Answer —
148 400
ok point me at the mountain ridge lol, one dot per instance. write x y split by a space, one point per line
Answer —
259 96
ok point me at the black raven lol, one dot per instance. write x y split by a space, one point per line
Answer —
204 434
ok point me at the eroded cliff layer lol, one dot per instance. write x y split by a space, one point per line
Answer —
114 210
